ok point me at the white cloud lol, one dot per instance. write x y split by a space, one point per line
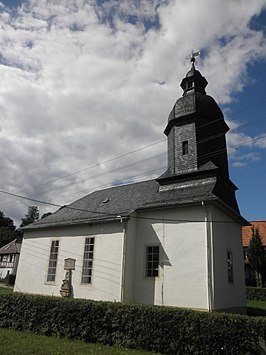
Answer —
260 140
81 83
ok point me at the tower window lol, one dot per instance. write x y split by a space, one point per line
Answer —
190 84
185 147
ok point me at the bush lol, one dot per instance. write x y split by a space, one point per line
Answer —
256 293
10 279
154 328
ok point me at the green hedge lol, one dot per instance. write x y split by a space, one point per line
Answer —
160 329
256 293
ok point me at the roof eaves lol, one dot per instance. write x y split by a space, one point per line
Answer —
73 223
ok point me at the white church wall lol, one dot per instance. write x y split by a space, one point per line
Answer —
182 279
130 259
227 237
106 274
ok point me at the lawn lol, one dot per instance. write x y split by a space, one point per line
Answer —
256 308
22 343
5 290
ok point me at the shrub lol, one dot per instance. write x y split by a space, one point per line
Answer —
160 329
10 279
256 293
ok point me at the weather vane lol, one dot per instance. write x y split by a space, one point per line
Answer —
193 55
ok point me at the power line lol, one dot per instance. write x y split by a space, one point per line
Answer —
99 164
113 215
249 108
212 154
144 147
110 185
146 159
112 170
204 156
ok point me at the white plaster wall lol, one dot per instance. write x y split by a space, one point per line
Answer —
182 277
130 258
227 236
106 278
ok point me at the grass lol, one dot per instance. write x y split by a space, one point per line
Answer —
5 290
256 308
22 343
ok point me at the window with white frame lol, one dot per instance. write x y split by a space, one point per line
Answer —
53 261
230 266
152 261
87 261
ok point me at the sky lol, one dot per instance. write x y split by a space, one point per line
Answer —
86 87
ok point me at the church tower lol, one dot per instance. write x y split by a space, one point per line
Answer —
196 132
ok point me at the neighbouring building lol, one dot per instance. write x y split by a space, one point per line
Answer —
173 241
9 257
246 236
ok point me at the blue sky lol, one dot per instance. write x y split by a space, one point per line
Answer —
86 88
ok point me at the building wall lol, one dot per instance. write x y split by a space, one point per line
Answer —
106 277
130 259
182 277
5 271
227 237
8 264
192 265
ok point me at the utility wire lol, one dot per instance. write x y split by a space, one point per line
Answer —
201 157
142 148
110 185
140 161
119 217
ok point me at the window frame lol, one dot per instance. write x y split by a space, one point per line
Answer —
52 261
152 272
87 263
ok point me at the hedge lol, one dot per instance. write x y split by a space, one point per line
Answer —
160 329
256 293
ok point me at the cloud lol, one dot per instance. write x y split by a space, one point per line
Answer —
80 83
260 140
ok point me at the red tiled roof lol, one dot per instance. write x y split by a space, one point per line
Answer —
246 232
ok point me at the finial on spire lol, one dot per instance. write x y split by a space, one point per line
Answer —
192 56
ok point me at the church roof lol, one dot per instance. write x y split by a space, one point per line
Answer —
109 204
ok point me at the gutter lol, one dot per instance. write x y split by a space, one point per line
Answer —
209 252
123 260
33 227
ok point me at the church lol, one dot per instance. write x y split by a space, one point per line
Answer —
171 241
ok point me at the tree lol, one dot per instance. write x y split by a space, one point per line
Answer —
7 229
46 215
31 216
256 255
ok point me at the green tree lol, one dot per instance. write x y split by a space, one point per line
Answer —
7 229
256 255
32 216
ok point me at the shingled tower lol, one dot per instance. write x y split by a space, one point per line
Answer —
196 132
